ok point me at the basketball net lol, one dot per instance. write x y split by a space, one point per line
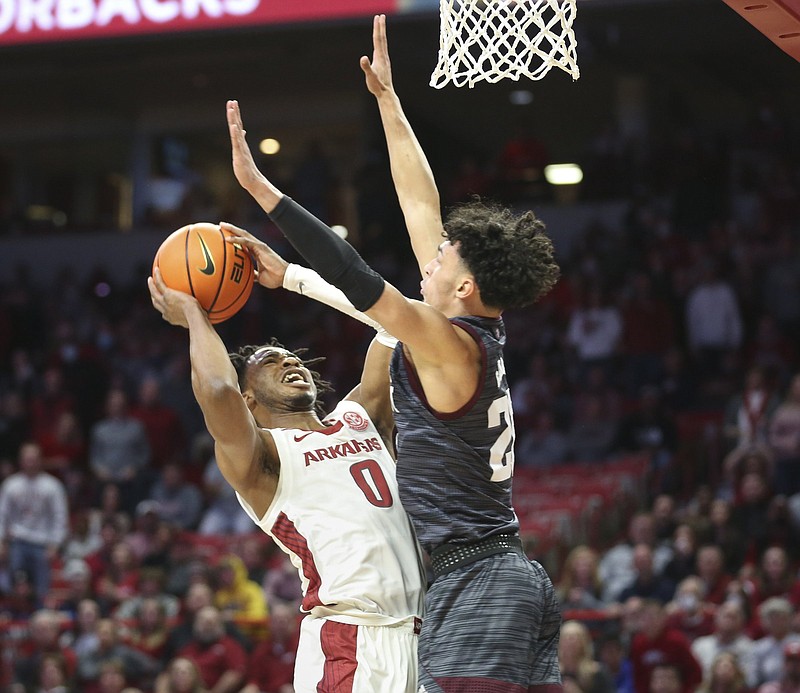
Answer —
496 39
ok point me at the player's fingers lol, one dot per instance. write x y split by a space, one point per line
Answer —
159 280
230 114
240 233
237 112
233 111
250 243
155 297
380 30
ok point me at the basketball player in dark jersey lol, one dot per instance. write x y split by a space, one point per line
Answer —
492 620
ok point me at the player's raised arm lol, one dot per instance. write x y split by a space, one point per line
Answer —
412 175
240 447
415 324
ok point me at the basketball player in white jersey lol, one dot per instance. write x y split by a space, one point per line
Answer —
325 490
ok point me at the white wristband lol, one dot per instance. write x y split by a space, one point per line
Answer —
306 282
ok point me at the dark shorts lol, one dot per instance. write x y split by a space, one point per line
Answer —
491 626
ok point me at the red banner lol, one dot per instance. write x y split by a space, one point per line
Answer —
32 21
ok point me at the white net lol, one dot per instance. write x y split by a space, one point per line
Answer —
495 39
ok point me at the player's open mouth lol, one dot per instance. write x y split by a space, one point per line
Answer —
293 377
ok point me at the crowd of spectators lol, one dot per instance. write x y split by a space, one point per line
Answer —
127 563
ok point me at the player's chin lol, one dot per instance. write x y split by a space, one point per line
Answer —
302 400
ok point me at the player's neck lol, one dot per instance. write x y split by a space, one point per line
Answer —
473 307
307 420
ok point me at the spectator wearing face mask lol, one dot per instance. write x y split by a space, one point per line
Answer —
688 611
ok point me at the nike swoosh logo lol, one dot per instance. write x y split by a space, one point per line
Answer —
297 439
209 268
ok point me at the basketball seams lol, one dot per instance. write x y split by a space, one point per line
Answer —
246 287
236 299
186 237
222 272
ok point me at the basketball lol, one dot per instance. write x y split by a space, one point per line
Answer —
197 260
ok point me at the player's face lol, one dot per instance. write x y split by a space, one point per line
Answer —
442 276
280 380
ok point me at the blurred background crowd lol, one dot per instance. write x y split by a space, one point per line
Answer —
666 357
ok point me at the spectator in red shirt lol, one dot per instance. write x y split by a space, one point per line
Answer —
271 668
121 578
221 660
711 570
198 596
64 448
161 422
111 532
656 645
47 405
773 577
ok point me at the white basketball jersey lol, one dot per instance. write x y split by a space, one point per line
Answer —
337 513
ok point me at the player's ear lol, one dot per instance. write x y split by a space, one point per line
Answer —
249 400
466 287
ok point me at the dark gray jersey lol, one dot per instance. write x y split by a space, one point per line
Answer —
454 470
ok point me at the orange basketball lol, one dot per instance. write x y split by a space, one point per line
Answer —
197 260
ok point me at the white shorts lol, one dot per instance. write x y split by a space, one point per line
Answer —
335 657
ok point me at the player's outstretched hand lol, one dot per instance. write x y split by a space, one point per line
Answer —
270 267
173 305
379 71
244 166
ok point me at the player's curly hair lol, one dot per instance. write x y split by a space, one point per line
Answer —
239 361
510 256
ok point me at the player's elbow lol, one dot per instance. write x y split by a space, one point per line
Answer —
214 392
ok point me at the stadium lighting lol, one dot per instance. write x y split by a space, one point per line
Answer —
563 174
269 146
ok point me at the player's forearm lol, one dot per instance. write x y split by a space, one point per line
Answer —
334 258
413 179
213 375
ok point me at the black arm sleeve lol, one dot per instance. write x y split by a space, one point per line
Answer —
336 261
